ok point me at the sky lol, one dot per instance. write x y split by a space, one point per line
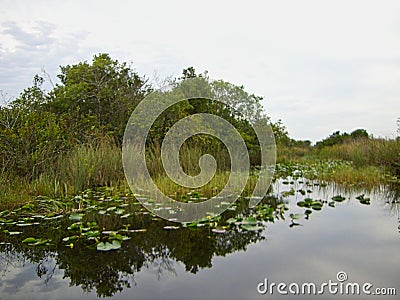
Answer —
321 66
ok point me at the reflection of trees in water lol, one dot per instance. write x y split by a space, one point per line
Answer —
392 194
157 249
111 272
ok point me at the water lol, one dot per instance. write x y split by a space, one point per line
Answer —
361 240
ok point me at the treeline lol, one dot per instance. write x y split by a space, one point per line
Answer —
69 138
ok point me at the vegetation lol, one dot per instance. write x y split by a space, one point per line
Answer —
370 158
63 141
63 190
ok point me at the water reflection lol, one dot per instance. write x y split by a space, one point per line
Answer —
163 253
111 272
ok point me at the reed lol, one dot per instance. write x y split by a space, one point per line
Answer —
367 152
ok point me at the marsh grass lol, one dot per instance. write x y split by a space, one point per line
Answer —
90 166
13 192
367 152
99 164
366 177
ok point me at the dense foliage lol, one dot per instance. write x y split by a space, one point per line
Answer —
340 138
69 138
93 102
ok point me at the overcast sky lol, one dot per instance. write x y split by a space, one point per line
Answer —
321 66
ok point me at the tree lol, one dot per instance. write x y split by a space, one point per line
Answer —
98 97
359 134
338 138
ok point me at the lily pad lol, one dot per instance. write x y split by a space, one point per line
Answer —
70 238
363 200
75 217
249 221
296 216
171 227
249 227
29 240
218 230
115 245
338 198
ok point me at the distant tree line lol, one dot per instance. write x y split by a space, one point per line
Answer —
340 138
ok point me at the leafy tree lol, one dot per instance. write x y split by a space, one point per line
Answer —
338 138
359 134
97 98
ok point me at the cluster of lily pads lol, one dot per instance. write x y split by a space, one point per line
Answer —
60 213
75 216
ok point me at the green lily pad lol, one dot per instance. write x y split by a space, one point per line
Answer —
295 216
249 227
26 224
115 245
363 200
11 232
249 221
29 240
70 238
76 217
338 198
218 230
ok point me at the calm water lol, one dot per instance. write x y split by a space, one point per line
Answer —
361 240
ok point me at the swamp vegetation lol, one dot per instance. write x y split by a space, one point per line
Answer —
64 199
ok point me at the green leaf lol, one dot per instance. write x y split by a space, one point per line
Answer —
249 227
338 198
91 234
41 242
115 245
115 236
69 238
218 230
26 224
29 240
76 217
249 221
231 220
302 204
296 216
14 232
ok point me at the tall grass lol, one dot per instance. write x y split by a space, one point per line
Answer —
90 166
290 154
86 166
100 163
369 152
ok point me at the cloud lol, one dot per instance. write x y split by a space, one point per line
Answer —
320 66
41 36
32 49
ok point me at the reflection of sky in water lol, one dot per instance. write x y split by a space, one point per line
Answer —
361 240
22 282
